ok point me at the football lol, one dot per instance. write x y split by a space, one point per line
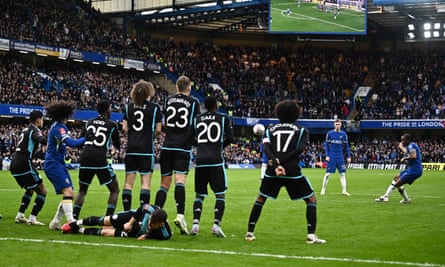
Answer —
258 129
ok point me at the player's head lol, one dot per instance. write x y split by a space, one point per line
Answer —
103 107
157 219
287 111
59 110
36 118
337 124
211 104
141 91
406 139
183 84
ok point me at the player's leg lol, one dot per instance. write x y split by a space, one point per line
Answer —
144 196
218 184
254 217
39 201
113 187
85 177
342 171
391 187
24 203
166 161
180 202
330 168
311 218
67 203
197 211
130 177
161 195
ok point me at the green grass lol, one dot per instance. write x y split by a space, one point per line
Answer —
359 231
308 19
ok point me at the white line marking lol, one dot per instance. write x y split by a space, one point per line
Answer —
226 252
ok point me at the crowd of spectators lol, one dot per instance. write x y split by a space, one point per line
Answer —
406 85
246 150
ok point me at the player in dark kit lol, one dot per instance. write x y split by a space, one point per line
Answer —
212 132
142 122
179 111
93 160
283 144
25 173
147 222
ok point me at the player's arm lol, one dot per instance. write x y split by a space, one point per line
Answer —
72 142
125 126
39 138
115 138
347 149
228 135
412 154
301 146
328 148
158 122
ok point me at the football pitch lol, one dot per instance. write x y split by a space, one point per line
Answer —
359 231
307 18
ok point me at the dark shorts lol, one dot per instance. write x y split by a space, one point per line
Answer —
139 163
118 220
25 175
174 161
213 176
58 175
297 188
104 174
332 165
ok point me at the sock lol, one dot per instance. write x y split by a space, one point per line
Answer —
76 211
32 218
197 209
254 216
391 188
93 220
144 196
343 182
403 193
180 198
220 205
92 231
26 198
161 196
67 205
325 182
59 213
126 199
110 209
38 204
311 217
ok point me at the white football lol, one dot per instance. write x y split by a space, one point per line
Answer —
258 129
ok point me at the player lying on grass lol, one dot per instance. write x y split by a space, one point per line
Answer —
147 222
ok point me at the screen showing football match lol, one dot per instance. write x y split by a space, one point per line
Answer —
318 17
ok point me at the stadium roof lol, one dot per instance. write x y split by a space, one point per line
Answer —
389 16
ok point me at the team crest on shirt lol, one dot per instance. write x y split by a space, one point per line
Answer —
62 131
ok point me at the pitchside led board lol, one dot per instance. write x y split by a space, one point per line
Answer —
330 17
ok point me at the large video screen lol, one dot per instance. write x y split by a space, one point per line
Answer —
318 17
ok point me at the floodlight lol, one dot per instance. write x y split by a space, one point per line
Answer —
427 34
427 26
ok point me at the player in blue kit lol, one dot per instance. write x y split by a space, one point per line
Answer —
414 169
337 145
25 173
54 165
212 132
283 144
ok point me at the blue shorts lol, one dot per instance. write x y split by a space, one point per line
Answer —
408 176
58 175
332 165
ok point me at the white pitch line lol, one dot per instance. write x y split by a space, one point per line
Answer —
227 252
